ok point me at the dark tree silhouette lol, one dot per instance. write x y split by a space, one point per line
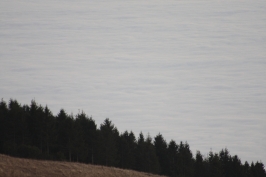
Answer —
85 133
108 138
215 166
185 161
161 151
200 168
32 131
127 148
172 151
65 134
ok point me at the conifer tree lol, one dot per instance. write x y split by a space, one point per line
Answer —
3 114
16 127
65 132
161 152
127 148
140 154
185 160
85 133
152 162
200 166
225 160
215 166
172 151
146 159
246 170
258 169
109 139
49 130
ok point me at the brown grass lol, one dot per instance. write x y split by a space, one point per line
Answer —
18 167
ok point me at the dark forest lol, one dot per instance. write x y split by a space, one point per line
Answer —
32 131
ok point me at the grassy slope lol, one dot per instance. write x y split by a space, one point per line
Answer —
11 167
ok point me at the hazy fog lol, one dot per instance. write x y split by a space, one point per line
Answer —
192 70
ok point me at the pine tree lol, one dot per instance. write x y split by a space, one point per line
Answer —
237 166
225 157
3 125
246 170
16 127
215 166
85 133
185 160
140 154
65 134
258 169
152 162
146 159
199 166
49 130
127 147
172 151
36 124
161 152
109 138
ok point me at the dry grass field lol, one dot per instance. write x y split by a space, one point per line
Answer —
18 167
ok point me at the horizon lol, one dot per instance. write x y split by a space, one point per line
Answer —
137 135
194 71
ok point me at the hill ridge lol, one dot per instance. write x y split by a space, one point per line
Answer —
14 166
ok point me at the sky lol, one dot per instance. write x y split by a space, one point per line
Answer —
191 70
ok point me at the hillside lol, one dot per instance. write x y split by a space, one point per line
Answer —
18 167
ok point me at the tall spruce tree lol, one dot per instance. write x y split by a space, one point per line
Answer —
215 166
200 169
161 152
36 124
152 161
49 130
237 166
65 134
140 154
225 160
185 160
3 124
172 151
146 159
108 138
246 170
258 170
85 133
17 127
127 147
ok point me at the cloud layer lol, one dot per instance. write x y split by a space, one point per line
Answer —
194 71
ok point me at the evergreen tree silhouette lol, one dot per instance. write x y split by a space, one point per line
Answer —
32 131
161 152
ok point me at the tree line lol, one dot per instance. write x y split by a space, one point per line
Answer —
32 131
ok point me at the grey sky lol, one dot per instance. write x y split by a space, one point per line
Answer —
193 70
